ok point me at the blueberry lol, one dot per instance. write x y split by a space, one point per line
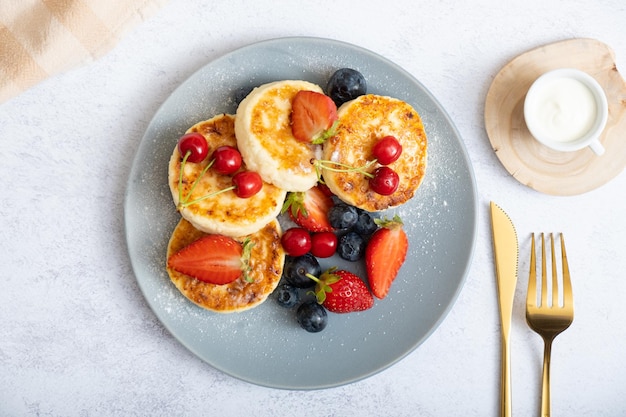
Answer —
342 216
287 296
351 246
297 267
346 84
365 224
312 317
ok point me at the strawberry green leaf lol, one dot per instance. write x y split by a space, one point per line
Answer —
245 259
396 221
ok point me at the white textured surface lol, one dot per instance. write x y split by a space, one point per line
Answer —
77 337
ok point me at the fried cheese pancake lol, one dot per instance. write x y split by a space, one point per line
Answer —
362 122
266 262
263 130
224 213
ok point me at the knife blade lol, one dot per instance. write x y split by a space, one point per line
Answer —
506 251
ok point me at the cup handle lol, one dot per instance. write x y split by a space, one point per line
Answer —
597 147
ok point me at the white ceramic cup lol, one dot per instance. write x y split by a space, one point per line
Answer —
566 110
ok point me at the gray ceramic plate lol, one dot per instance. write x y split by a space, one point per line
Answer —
265 346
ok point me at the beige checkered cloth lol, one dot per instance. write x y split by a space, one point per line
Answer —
39 38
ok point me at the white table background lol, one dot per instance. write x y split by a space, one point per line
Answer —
77 337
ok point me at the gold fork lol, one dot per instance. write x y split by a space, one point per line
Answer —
548 319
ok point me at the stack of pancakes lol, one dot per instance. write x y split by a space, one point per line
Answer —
261 130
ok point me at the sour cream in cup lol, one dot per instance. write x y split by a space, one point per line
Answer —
566 110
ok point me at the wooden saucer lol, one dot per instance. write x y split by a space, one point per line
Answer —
533 164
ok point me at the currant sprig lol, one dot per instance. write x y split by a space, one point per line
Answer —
225 160
184 201
321 164
382 180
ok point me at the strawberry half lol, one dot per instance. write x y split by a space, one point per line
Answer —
215 259
309 209
385 254
324 189
313 117
341 291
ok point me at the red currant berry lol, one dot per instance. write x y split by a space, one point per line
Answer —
227 160
296 241
195 144
323 244
385 181
387 150
247 184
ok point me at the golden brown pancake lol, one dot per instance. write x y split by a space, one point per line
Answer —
224 213
263 128
362 122
266 263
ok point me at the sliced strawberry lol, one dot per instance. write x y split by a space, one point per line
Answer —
341 291
385 254
309 209
324 189
313 116
215 259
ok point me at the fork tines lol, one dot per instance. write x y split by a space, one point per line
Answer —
545 290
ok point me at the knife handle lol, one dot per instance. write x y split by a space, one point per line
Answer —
505 383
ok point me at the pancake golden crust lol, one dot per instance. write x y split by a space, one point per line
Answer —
263 129
266 262
224 213
362 122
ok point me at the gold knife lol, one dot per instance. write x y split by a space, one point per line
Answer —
506 252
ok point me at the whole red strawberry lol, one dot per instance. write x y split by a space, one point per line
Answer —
384 255
215 259
309 209
341 291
